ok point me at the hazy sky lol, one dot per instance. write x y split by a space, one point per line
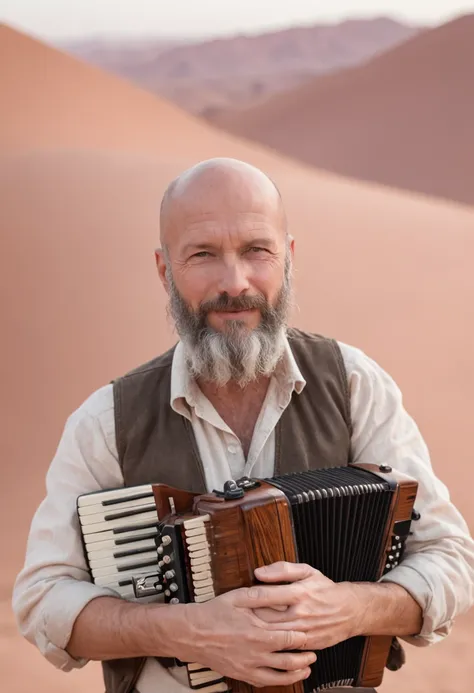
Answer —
77 18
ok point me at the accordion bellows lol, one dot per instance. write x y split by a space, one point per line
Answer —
351 523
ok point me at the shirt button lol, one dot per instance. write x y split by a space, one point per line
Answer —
232 449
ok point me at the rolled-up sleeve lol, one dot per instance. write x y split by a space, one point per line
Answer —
438 566
54 584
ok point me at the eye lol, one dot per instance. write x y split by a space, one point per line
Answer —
202 253
256 249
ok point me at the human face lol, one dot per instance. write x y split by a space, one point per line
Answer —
232 262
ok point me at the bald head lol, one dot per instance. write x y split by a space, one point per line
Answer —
221 187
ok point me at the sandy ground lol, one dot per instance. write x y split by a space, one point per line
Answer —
392 120
85 159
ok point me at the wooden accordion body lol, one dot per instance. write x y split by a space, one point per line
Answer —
351 523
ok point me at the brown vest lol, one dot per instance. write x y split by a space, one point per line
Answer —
157 445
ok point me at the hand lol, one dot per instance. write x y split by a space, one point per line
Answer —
227 635
326 611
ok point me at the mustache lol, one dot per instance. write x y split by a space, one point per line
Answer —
224 302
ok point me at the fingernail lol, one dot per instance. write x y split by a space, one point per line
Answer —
262 569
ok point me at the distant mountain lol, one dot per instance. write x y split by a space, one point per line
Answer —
241 70
405 119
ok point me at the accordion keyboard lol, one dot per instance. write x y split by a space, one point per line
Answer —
197 547
119 529
124 544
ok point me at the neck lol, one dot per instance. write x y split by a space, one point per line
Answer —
238 406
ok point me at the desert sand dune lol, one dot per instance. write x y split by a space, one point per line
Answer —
234 70
83 167
404 119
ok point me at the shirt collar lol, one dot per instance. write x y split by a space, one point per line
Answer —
185 392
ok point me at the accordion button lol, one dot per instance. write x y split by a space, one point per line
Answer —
175 600
388 566
174 587
390 558
384 468
166 540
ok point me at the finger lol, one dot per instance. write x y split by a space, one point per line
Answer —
290 617
284 572
260 596
269 677
286 661
280 640
274 614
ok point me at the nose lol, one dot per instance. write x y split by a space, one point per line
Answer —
233 280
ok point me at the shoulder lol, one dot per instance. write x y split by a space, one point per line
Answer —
95 415
356 361
97 405
361 367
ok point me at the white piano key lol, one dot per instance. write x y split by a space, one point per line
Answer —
203 590
204 597
110 548
198 547
215 688
119 562
196 569
107 509
115 515
195 531
192 541
194 666
208 676
200 577
208 582
150 564
200 554
114 494
123 522
114 579
204 560
196 521
130 534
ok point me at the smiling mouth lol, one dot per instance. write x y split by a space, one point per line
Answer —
234 311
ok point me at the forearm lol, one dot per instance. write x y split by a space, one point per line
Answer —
386 609
109 628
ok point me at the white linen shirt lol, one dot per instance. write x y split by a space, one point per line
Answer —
54 584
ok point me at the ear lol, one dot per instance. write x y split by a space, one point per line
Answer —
161 267
291 245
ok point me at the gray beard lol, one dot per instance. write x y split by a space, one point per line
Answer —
237 354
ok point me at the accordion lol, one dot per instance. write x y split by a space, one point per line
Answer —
351 523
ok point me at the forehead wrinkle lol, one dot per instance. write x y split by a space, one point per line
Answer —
218 232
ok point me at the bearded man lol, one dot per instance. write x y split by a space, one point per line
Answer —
240 394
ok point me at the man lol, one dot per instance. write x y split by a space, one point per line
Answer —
248 392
